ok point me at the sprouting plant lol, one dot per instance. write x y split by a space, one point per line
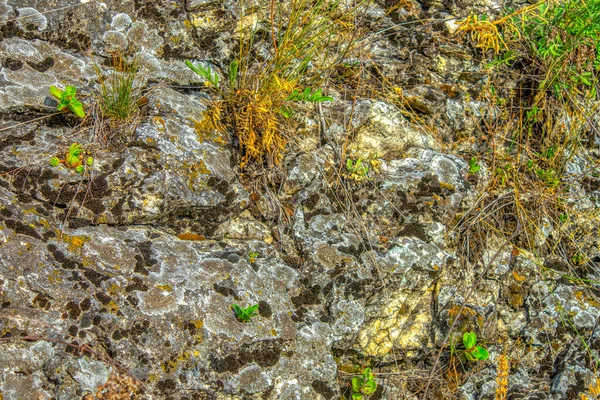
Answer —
474 167
563 217
253 255
363 385
357 170
472 352
73 159
245 314
211 76
66 98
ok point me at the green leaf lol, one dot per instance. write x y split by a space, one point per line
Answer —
70 91
54 161
62 104
480 353
469 340
233 72
77 108
357 384
357 396
56 92
369 387
89 161
79 169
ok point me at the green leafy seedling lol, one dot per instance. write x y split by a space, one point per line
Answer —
472 351
253 255
245 314
474 167
73 159
363 385
66 98
357 171
207 73
73 156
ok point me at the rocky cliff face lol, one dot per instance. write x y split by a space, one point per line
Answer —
127 273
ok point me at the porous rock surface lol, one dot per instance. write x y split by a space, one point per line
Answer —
141 262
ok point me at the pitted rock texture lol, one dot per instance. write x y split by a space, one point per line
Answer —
130 270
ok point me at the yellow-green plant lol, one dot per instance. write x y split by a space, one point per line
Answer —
66 99
259 100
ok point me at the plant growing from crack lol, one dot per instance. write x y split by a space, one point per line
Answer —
73 159
252 256
66 98
245 314
472 352
363 385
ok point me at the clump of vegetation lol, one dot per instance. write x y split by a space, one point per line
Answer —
357 170
472 352
74 159
363 385
260 95
474 167
245 314
118 97
66 99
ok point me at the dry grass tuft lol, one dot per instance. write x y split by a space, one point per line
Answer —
118 387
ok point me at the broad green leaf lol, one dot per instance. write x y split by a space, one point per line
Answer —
480 353
469 340
357 396
369 387
71 90
77 108
357 384
56 92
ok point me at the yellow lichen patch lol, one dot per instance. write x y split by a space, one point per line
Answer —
160 122
172 364
112 307
518 277
75 242
114 289
196 170
402 325
166 287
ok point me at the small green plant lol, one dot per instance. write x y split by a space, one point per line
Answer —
357 170
363 385
211 76
119 95
66 98
73 159
253 255
245 314
548 177
563 217
473 166
472 352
